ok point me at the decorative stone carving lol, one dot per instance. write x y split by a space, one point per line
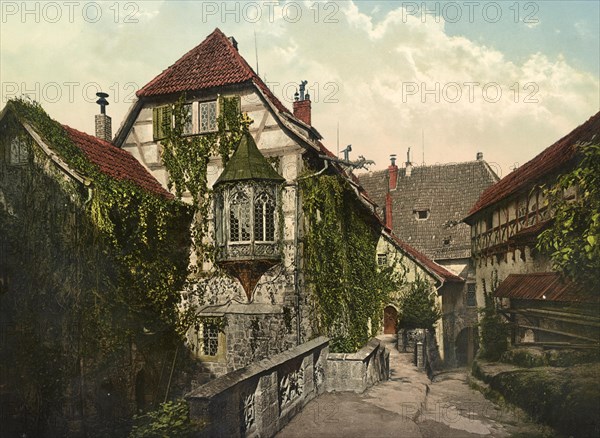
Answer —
291 387
248 411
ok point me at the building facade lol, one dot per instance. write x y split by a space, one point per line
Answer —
505 224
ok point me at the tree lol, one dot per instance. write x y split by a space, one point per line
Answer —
418 306
573 239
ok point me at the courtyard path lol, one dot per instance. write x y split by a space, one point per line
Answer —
410 405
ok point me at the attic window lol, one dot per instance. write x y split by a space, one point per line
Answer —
422 214
18 151
447 240
382 260
188 124
207 116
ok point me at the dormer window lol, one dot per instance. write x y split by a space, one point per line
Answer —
421 214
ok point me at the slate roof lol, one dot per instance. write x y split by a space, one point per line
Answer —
551 160
115 162
215 62
447 191
548 286
248 163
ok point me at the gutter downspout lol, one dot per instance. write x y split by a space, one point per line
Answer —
296 250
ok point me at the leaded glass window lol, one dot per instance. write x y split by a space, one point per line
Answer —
209 340
239 218
471 295
207 114
264 218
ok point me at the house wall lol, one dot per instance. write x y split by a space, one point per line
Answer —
277 286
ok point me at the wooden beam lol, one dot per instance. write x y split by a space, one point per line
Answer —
558 332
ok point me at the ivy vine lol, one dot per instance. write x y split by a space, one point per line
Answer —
340 246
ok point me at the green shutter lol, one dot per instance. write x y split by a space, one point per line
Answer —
162 118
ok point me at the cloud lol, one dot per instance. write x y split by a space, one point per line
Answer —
384 80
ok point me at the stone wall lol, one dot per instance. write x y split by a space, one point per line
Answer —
260 399
358 371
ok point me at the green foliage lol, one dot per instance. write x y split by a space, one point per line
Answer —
418 306
96 270
171 419
573 240
340 263
186 158
494 331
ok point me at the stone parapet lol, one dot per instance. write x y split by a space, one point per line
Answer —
358 371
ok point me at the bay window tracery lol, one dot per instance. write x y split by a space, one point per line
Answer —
246 218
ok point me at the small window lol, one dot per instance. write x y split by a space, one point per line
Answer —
421 215
471 295
447 240
207 339
187 124
18 151
382 260
207 116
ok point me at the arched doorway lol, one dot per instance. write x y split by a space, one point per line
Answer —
390 320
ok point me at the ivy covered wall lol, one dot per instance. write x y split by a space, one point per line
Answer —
90 287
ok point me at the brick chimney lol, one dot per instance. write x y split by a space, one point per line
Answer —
388 210
103 122
479 156
393 173
302 109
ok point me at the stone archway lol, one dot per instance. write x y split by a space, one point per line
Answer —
390 320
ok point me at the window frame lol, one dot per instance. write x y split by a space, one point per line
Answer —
417 212
199 106
468 302
23 151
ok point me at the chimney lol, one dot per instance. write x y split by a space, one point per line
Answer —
103 122
392 173
408 163
233 42
388 210
302 108
479 156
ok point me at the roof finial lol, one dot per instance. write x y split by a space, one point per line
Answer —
246 121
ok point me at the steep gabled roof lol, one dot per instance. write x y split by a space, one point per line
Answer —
248 163
549 161
439 272
115 162
66 147
215 62
447 191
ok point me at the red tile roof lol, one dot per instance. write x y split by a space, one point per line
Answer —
550 160
426 262
548 286
116 162
212 63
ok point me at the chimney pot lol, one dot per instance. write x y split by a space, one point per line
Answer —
479 156
392 173
103 122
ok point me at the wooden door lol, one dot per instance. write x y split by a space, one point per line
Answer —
390 320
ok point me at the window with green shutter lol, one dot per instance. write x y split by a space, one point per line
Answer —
162 118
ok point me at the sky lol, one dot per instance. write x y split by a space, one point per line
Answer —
445 79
